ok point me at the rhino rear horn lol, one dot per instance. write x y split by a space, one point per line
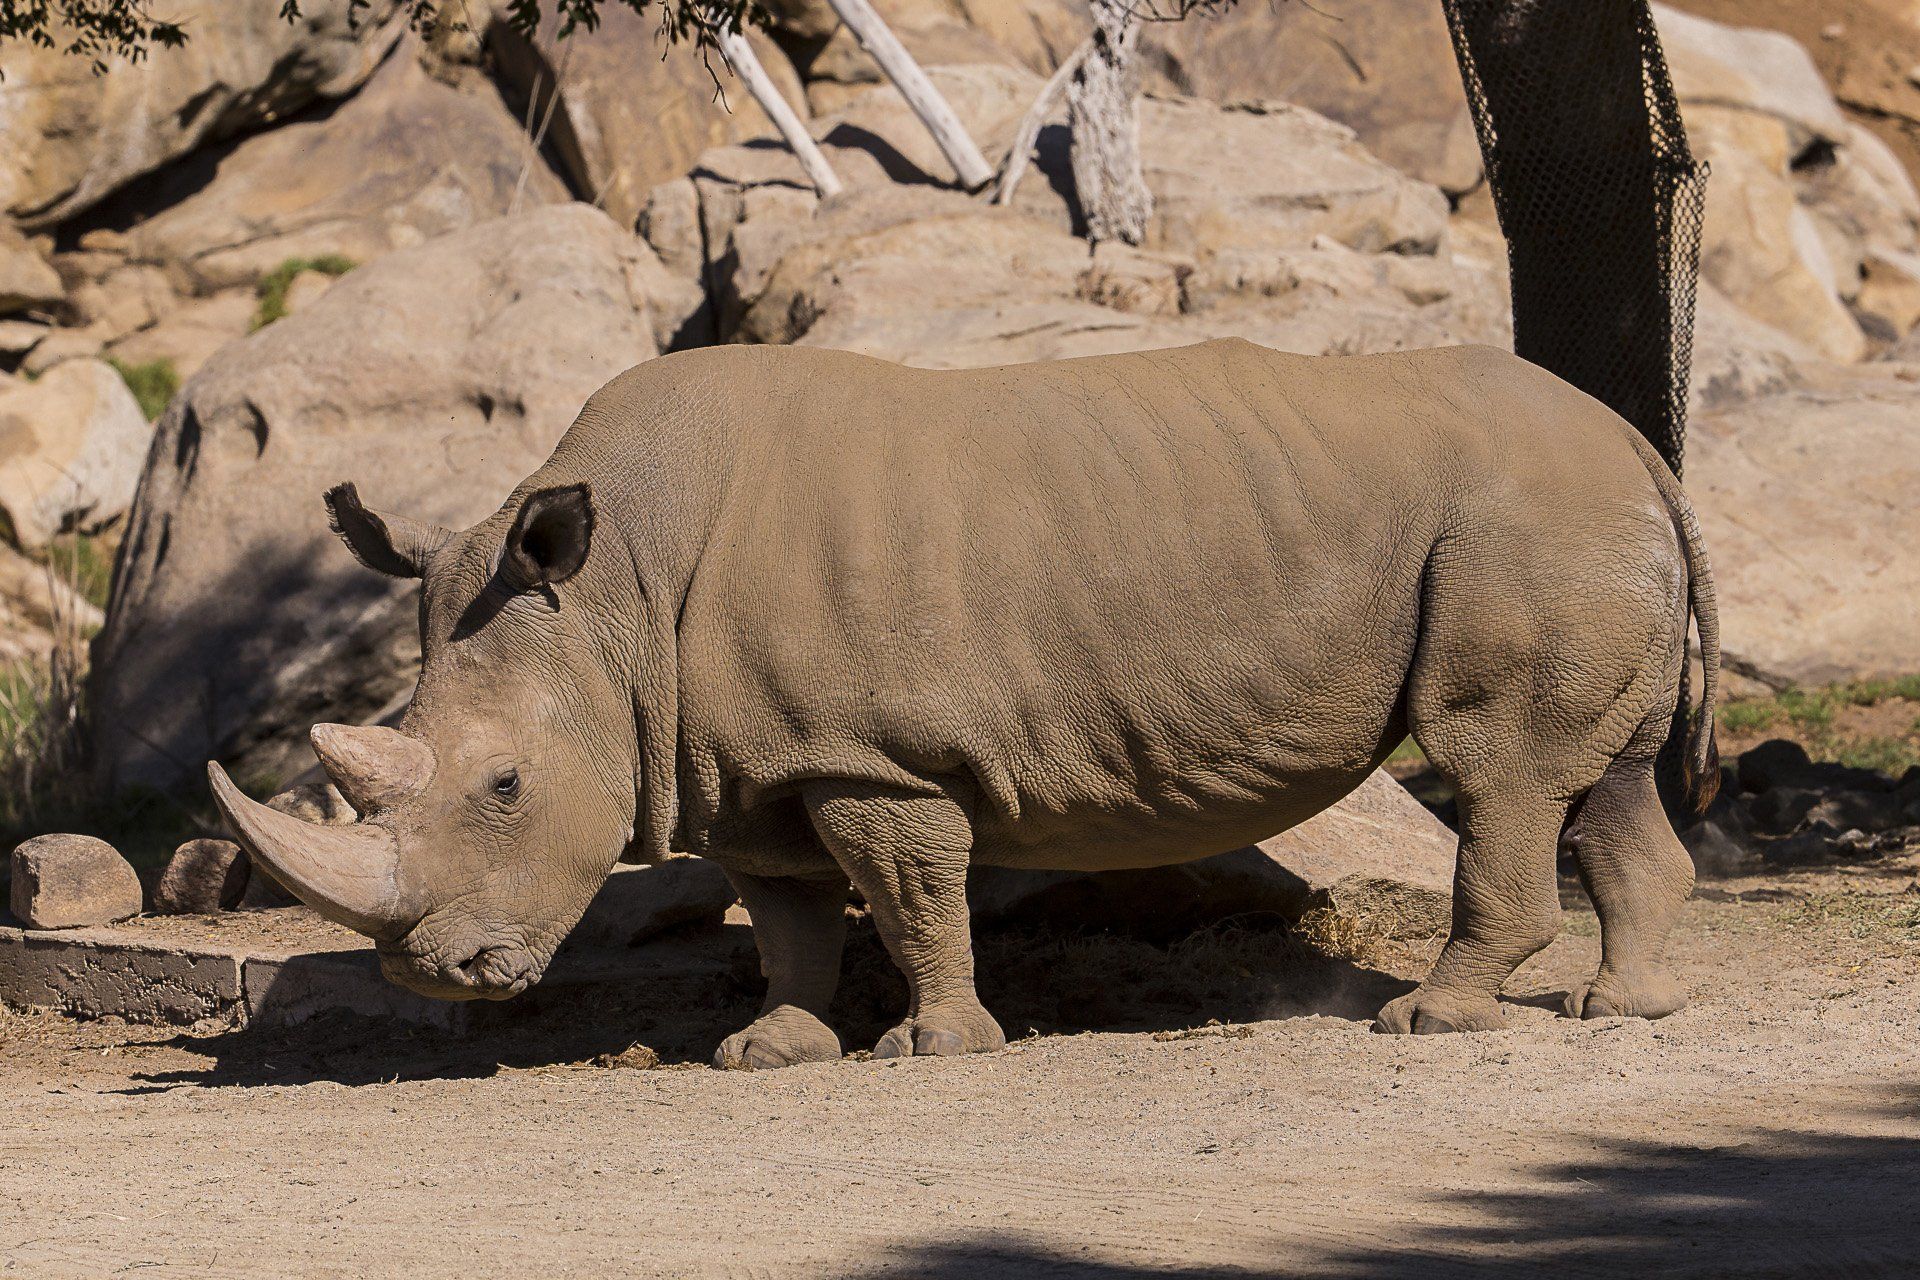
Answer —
393 545
374 767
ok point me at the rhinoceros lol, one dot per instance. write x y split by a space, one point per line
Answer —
830 621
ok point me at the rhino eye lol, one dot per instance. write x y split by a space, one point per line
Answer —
507 785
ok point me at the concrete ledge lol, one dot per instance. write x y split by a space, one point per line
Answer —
278 968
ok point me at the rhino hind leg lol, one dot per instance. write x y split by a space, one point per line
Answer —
799 926
1639 876
1506 906
907 853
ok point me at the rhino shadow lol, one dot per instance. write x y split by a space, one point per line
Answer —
1036 982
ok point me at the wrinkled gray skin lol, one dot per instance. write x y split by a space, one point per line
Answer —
829 621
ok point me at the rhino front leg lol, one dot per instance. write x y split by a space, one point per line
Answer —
907 853
799 927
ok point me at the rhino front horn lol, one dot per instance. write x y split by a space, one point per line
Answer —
349 874
374 767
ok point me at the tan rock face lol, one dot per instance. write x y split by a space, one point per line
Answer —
437 377
1035 35
69 138
1806 498
26 278
1386 71
1270 222
407 158
71 448
68 881
633 111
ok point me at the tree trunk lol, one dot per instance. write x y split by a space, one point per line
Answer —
1103 114
885 49
745 64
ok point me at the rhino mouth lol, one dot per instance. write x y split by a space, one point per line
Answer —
497 972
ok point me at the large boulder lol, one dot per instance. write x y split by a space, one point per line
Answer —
71 881
1806 498
69 138
71 446
438 377
632 111
409 157
1386 71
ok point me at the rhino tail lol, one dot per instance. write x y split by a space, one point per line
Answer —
1690 762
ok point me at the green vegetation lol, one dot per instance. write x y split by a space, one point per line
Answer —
1816 719
274 285
153 383
84 562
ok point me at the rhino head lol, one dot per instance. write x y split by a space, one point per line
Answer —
490 816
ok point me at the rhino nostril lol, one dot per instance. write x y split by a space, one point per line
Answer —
466 968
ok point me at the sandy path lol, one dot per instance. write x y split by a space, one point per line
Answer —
1762 1132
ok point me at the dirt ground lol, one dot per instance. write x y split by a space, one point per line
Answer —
1771 1129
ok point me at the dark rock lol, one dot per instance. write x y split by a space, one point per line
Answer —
1775 763
202 877
1779 810
1715 852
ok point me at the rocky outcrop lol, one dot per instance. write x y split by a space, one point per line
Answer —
438 377
407 158
1385 71
70 138
1801 199
1806 498
70 450
1269 222
632 111
1033 35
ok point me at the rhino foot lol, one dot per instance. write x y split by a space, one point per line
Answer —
784 1037
943 1033
1422 1012
1647 993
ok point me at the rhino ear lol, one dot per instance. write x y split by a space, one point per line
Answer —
549 539
393 545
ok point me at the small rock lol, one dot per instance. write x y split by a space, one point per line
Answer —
311 802
638 903
202 877
17 337
71 448
66 881
1716 853
1779 810
1775 763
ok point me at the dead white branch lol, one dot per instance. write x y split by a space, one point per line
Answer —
1028 135
926 101
745 64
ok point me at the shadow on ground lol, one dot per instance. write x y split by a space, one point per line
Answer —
1773 1202
1049 983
